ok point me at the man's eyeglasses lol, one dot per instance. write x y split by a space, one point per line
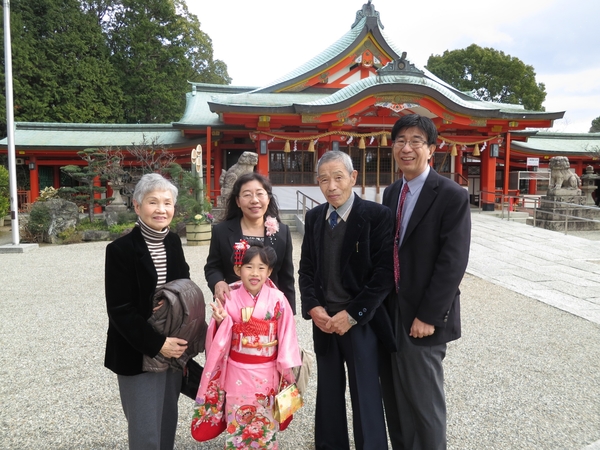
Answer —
415 143
261 195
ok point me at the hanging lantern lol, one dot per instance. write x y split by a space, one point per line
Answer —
476 150
384 140
286 147
453 152
361 143
311 146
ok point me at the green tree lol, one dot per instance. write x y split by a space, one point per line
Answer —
105 61
97 163
61 67
4 192
157 47
490 75
595 128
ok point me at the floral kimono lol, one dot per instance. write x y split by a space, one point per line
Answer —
245 357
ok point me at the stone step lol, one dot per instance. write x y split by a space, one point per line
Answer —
514 216
289 218
572 224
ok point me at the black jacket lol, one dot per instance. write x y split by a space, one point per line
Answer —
130 282
367 267
220 268
433 257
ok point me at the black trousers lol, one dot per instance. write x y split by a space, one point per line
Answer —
358 350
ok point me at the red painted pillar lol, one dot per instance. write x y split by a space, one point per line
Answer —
34 179
218 168
56 177
579 168
208 160
97 209
263 160
533 185
458 166
488 181
506 165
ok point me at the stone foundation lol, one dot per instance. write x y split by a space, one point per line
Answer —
551 215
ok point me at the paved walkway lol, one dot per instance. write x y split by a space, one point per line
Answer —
560 270
524 375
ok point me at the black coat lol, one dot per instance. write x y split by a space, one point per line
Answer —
130 282
433 257
220 268
367 267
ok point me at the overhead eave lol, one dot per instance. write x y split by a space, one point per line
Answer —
406 88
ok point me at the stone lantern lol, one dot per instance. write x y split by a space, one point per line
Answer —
588 185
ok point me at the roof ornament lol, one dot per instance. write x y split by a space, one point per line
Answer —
400 66
368 10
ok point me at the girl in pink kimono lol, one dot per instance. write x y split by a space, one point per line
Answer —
251 345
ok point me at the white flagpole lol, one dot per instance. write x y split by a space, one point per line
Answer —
10 127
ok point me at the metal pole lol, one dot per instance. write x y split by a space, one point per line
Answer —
10 127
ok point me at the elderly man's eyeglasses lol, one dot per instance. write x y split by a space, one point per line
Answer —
414 143
260 195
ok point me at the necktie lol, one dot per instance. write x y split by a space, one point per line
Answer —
333 217
397 236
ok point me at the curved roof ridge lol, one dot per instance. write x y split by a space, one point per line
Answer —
366 83
325 56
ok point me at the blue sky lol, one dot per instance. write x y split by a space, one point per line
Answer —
263 40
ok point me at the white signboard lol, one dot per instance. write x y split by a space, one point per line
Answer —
533 162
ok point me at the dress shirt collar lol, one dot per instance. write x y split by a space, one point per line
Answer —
416 184
343 210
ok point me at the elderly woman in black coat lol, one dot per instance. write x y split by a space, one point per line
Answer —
136 264
252 214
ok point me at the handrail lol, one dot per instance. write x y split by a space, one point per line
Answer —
301 199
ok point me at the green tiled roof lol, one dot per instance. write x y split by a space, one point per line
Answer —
75 136
311 102
560 143
333 51
197 111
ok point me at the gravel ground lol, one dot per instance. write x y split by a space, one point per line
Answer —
523 376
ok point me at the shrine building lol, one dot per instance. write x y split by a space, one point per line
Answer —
346 98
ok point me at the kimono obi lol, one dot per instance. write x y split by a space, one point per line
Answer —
254 342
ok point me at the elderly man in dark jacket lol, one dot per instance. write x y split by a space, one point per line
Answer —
345 274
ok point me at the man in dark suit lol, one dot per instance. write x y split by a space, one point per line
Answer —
345 274
431 250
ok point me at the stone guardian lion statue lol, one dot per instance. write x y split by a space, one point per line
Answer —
561 176
245 164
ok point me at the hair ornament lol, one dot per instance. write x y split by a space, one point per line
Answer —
239 250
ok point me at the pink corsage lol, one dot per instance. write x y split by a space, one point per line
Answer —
271 225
